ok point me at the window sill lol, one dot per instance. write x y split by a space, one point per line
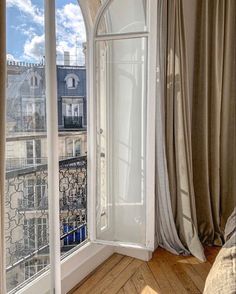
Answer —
74 268
77 265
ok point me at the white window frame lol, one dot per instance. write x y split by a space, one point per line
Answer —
77 265
70 109
36 266
34 158
150 141
74 142
33 153
27 188
43 189
38 222
30 108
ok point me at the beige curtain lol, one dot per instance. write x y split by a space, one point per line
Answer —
166 232
214 117
199 128
178 132
2 141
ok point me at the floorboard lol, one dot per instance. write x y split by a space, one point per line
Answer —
165 273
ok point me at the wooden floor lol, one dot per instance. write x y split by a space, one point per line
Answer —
164 274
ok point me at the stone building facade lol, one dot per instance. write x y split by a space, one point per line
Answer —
26 166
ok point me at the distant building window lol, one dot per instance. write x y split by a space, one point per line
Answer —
72 147
35 194
33 152
34 82
72 110
34 79
72 81
35 265
35 233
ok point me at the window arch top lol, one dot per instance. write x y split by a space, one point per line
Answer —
122 17
72 81
34 79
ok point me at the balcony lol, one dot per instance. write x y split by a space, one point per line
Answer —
29 123
73 122
22 163
27 239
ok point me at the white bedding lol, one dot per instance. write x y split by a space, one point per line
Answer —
222 276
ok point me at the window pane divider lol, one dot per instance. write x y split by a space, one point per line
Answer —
3 71
52 141
121 36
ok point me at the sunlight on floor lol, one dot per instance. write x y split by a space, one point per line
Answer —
148 290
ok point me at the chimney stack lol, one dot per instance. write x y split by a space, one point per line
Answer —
85 52
66 58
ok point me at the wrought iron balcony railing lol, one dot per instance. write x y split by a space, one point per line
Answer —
27 244
73 122
21 163
29 123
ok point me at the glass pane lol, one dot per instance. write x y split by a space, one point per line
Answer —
27 236
27 232
72 125
123 16
121 94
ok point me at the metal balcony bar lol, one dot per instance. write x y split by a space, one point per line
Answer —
73 122
27 212
23 163
43 166
35 252
20 163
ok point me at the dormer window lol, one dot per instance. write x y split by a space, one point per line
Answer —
72 81
34 79
34 82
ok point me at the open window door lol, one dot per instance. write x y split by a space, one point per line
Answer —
124 83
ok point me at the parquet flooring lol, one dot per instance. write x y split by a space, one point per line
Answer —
165 273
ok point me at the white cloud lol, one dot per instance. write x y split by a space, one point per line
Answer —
70 31
26 30
26 7
34 48
10 57
70 17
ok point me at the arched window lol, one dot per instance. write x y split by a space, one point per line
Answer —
121 117
34 79
125 108
72 81
123 17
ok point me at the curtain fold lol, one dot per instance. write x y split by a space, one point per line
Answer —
195 179
228 117
178 131
174 189
213 125
166 233
3 72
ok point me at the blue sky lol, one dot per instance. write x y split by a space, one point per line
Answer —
25 30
